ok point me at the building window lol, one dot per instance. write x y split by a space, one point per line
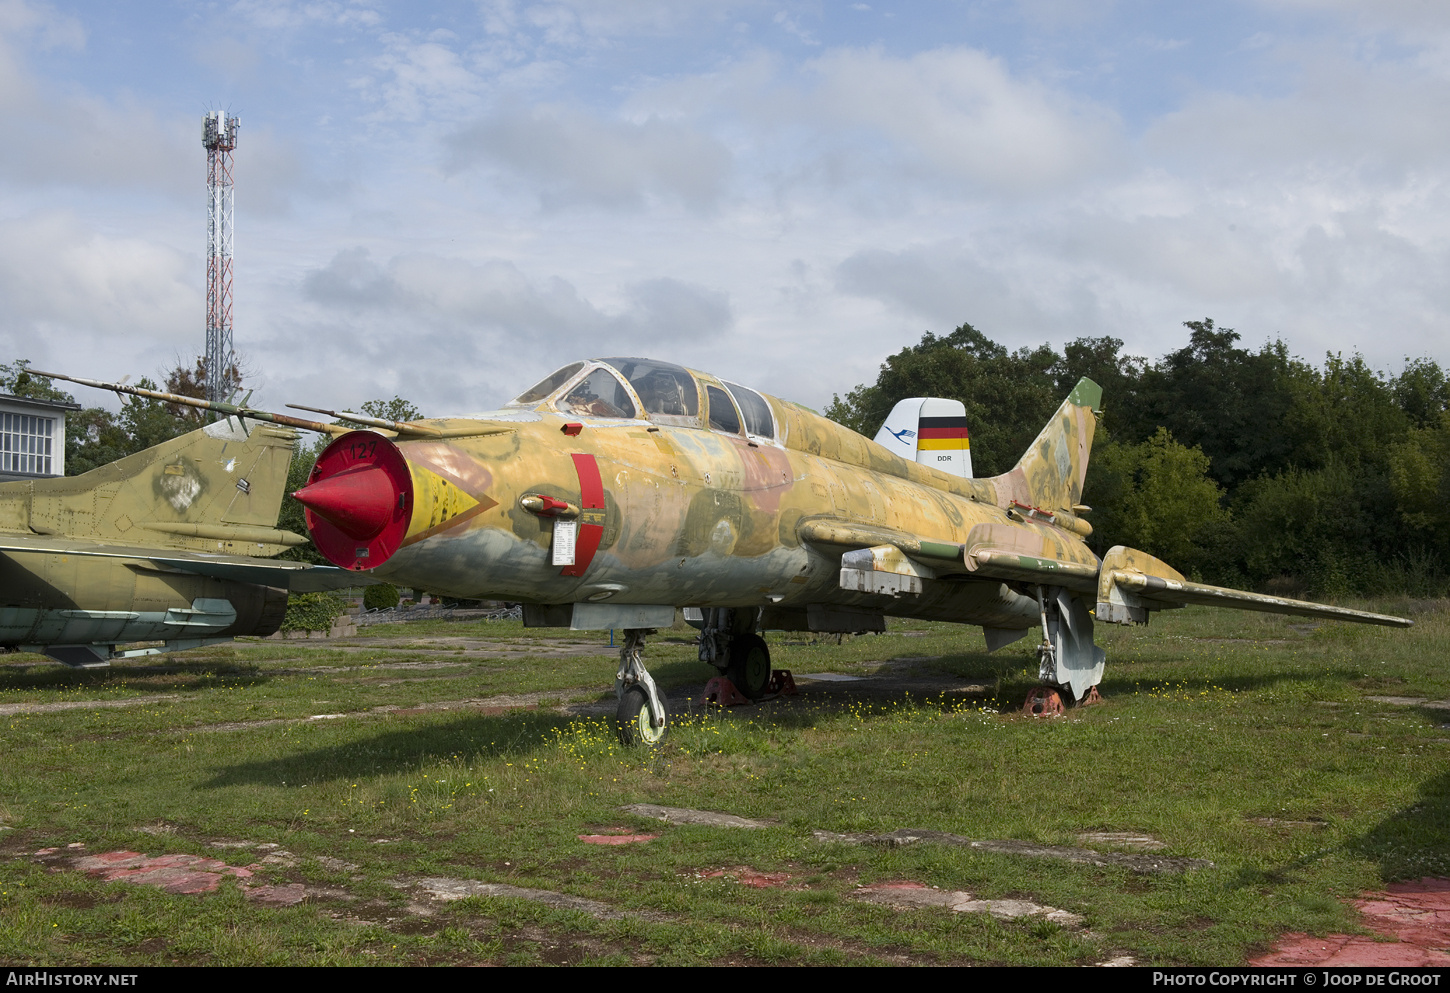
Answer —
25 444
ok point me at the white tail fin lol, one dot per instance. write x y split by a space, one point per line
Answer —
932 431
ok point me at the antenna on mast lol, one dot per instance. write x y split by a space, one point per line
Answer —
219 138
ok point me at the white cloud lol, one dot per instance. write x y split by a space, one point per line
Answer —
420 79
962 114
1343 114
289 15
67 293
494 302
568 157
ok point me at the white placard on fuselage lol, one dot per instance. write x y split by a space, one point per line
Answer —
566 534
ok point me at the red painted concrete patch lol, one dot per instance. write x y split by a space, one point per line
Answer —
172 873
180 874
746 876
616 839
1415 914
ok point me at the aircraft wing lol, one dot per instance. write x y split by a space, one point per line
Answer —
1025 553
298 577
1128 583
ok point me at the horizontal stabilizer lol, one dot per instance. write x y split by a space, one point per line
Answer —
1134 582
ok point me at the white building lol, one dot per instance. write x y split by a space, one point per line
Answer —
32 437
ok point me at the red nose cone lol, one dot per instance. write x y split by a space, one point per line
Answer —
358 501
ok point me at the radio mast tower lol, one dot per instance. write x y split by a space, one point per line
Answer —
219 138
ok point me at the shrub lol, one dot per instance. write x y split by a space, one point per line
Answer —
312 611
383 596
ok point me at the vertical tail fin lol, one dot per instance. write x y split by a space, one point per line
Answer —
932 431
218 488
1050 473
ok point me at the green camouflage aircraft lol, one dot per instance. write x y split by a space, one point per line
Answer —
166 545
620 489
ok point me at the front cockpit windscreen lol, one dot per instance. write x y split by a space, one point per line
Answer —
662 388
549 385
599 394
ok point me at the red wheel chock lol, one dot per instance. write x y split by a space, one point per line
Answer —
1043 702
1090 697
782 682
722 691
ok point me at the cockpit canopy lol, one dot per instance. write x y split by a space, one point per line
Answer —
656 391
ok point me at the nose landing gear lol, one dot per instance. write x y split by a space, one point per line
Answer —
640 716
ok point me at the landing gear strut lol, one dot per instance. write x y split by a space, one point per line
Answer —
728 642
1069 665
641 712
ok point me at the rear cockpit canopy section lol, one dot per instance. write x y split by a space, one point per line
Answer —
660 392
758 420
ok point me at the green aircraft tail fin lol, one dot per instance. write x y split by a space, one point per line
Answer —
218 488
1050 474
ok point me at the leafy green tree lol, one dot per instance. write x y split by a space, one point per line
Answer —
1101 360
396 409
1422 391
292 516
1232 403
1162 500
1420 480
1008 395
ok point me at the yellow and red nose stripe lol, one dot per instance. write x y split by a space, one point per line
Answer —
591 514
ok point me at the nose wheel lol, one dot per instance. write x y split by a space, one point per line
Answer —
640 716
636 720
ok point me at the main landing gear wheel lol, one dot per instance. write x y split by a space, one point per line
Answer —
636 722
749 665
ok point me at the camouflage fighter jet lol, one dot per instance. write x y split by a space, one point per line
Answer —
164 545
619 489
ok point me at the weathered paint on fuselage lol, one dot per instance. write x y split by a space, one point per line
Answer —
699 517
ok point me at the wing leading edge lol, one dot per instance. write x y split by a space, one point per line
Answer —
1128 583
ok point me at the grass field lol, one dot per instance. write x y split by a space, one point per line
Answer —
1306 761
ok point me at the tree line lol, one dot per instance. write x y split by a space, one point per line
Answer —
1238 467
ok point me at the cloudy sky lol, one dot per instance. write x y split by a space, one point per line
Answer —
447 200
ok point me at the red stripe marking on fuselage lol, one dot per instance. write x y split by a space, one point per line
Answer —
591 497
942 433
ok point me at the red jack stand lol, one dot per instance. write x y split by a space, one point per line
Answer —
722 691
782 682
1043 702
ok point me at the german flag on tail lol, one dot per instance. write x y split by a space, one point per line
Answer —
932 431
